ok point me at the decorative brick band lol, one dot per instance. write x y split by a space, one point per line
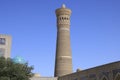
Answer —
64 29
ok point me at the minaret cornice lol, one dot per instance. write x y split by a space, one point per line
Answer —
63 11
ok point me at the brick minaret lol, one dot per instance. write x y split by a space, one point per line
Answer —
63 62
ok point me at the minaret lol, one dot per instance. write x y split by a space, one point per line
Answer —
63 62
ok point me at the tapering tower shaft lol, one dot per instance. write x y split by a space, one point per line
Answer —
63 62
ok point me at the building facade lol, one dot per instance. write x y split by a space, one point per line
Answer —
5 45
109 71
44 78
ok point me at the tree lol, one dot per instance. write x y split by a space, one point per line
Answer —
9 70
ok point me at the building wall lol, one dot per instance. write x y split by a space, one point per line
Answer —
5 45
105 72
44 78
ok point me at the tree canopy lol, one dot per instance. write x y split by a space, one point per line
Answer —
10 70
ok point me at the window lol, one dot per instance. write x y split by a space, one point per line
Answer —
104 78
2 52
117 76
2 41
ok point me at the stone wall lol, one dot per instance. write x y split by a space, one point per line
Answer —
44 78
105 72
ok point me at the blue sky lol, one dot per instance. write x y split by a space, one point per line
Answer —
95 31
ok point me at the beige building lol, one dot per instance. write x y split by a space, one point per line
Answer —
5 45
109 71
44 78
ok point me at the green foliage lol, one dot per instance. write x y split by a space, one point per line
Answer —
14 71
